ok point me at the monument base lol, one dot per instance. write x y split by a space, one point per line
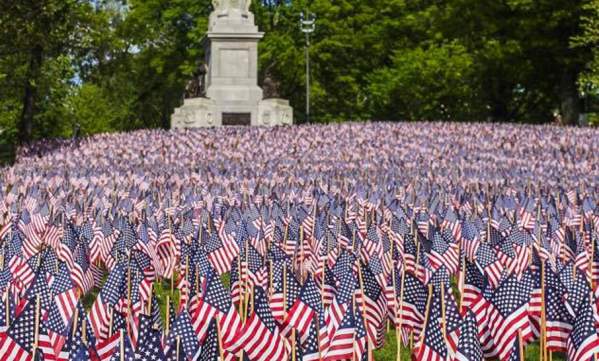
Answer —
195 113
275 111
204 112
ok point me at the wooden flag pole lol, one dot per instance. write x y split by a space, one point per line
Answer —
363 307
293 344
7 305
443 328
84 331
240 285
399 328
149 307
197 278
110 321
178 343
251 298
542 340
168 314
270 276
520 345
75 319
426 314
353 305
129 290
284 290
220 340
489 216
122 345
592 254
322 280
301 245
36 330
246 280
462 283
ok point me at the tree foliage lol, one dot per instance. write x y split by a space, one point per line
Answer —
105 65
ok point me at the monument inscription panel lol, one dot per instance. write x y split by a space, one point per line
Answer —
235 63
237 118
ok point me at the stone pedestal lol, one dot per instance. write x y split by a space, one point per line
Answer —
233 96
274 112
194 113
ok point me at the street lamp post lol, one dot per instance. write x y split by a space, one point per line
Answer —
307 25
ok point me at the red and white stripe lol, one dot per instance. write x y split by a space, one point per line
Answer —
505 330
67 303
108 347
261 344
341 346
557 334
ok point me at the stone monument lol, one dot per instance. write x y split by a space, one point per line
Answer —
225 91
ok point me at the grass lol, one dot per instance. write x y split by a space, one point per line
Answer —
162 289
389 351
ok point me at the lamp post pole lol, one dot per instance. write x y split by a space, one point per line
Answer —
307 25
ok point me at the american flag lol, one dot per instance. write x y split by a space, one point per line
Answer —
183 330
18 341
309 350
474 284
261 339
490 265
221 252
452 222
65 298
444 254
123 351
469 348
470 240
216 302
342 341
453 320
373 302
341 303
361 345
558 320
412 307
210 350
583 342
507 315
305 309
433 346
277 299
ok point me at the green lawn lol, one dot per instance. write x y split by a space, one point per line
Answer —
386 353
389 351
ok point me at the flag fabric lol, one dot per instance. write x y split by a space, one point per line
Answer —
18 341
507 315
309 236
469 348
583 342
149 345
261 339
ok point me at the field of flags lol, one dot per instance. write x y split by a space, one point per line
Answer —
307 243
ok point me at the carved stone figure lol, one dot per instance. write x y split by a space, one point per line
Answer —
223 6
196 86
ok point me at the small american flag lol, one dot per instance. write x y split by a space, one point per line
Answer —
469 348
583 342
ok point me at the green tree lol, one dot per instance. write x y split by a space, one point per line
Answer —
36 37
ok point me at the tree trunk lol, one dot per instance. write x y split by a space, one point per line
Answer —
25 126
569 99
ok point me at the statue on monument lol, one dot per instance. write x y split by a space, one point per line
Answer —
223 6
196 86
